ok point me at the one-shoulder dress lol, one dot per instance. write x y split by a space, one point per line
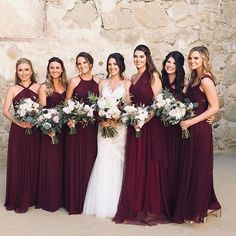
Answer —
144 192
196 193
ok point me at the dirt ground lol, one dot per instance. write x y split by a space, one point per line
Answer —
37 222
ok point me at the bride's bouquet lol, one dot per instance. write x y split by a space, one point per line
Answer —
74 111
171 111
108 115
50 122
27 111
136 116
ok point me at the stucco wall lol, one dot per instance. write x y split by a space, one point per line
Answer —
40 29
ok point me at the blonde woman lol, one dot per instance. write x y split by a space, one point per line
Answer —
23 149
196 196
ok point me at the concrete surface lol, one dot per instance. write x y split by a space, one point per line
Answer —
37 222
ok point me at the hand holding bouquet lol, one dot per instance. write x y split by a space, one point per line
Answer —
136 116
50 122
171 111
108 115
27 111
74 112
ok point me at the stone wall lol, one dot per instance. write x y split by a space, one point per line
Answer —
41 29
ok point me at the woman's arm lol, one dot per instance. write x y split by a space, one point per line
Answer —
100 86
72 84
96 79
127 94
208 87
156 84
43 95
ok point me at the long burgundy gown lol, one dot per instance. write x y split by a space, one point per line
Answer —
80 154
49 195
174 147
196 193
22 162
144 193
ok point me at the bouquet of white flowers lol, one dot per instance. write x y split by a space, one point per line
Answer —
27 111
50 122
108 115
136 116
172 111
74 111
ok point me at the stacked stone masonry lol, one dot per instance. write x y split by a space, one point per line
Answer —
41 29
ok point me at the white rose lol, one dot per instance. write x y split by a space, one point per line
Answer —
130 109
47 116
102 103
86 107
22 113
159 97
66 110
55 119
168 101
90 112
190 105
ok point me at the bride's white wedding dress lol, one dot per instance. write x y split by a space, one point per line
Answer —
104 186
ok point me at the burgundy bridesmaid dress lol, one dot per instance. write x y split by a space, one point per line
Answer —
196 194
174 146
80 154
144 194
22 162
49 195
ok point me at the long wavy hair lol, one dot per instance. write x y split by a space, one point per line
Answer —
180 73
151 68
48 82
25 61
120 61
206 63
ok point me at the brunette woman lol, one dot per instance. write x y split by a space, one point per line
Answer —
173 79
105 181
143 194
81 148
52 93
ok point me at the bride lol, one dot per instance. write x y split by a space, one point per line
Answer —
105 181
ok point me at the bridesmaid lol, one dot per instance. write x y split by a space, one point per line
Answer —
173 79
23 149
51 93
142 200
81 148
196 195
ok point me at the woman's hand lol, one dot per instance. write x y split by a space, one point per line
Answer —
71 123
108 123
211 119
185 124
51 134
25 125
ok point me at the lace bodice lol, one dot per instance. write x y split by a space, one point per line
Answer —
117 93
